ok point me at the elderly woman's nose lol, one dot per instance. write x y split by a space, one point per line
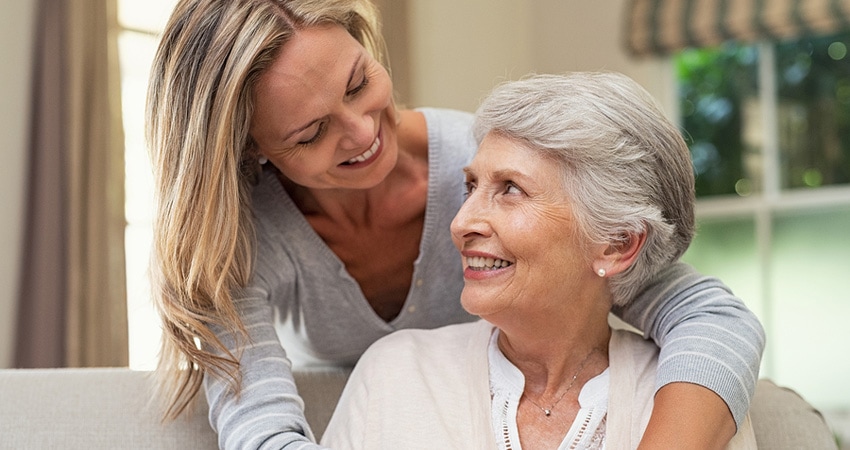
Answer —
470 219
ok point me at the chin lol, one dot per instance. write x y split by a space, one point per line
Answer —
381 172
478 306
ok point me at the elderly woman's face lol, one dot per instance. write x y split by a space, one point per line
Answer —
521 250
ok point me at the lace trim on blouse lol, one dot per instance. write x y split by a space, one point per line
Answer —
506 387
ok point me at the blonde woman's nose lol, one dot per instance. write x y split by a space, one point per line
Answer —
359 129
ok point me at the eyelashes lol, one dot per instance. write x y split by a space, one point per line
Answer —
319 133
508 188
360 86
468 189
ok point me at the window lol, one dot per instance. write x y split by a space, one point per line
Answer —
768 126
803 86
140 22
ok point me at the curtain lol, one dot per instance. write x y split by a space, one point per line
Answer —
659 27
72 302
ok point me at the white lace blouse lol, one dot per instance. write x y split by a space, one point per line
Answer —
506 387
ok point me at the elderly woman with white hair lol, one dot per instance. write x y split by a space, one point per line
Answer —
580 194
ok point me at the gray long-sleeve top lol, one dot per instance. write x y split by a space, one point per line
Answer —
303 308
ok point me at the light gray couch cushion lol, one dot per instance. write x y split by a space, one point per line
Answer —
112 408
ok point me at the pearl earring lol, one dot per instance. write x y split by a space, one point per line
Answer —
601 272
262 160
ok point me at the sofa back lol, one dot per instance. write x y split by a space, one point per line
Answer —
109 408
112 408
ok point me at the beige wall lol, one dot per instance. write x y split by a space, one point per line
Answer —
16 20
459 49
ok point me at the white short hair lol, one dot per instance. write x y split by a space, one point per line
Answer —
626 167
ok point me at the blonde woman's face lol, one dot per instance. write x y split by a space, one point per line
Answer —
323 112
523 256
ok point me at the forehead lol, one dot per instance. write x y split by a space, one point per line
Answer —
311 70
313 50
499 153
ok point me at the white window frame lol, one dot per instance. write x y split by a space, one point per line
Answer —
772 201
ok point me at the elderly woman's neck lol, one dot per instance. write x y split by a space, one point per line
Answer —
547 360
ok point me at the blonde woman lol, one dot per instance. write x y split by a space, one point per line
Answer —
301 216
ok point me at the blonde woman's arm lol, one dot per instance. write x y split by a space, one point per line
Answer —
711 348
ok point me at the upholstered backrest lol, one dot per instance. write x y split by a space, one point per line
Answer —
113 408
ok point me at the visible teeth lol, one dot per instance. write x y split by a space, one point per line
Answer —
367 154
480 262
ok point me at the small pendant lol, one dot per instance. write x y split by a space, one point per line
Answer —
547 412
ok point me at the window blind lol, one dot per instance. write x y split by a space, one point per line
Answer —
659 27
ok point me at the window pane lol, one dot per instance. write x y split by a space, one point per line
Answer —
811 304
726 248
813 79
136 52
718 94
145 15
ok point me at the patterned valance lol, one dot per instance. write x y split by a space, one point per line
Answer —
658 27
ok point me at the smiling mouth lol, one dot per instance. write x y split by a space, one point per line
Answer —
365 155
482 263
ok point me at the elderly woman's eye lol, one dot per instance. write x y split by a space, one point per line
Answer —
511 188
469 188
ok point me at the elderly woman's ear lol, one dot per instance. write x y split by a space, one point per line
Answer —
618 256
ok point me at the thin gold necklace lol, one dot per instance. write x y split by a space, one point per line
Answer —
548 411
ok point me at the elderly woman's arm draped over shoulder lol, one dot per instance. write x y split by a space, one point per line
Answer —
708 338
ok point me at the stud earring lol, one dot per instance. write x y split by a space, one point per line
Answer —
601 272
262 160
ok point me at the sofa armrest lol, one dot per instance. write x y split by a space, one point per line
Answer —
782 419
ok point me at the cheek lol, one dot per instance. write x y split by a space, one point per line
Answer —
522 236
302 167
543 243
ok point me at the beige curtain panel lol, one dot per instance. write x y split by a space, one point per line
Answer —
659 27
72 307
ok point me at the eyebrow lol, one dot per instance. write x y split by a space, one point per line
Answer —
287 136
502 174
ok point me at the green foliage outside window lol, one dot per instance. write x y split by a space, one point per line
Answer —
713 86
814 111
723 121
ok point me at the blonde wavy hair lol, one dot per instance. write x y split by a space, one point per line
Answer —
199 108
